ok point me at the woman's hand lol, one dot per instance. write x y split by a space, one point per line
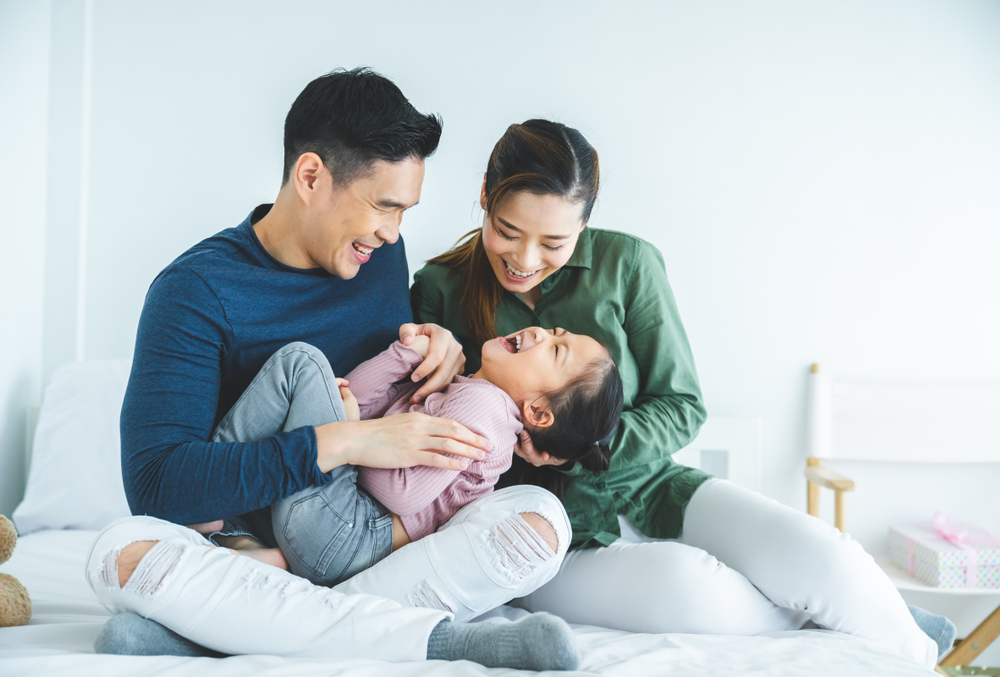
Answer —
526 450
351 406
444 360
398 441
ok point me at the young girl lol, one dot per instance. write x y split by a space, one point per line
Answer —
551 382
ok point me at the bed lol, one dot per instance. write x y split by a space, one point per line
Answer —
74 488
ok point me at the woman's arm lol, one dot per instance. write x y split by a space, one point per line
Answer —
668 409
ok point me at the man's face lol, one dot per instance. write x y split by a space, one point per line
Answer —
345 224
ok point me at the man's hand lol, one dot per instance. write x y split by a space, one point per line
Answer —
526 450
444 360
399 441
351 407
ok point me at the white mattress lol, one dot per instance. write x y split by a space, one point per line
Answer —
67 618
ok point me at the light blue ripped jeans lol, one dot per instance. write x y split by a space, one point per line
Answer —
327 533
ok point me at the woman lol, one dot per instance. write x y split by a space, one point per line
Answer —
739 563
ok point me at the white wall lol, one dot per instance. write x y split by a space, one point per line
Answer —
24 66
822 178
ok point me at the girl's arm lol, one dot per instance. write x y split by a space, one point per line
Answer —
483 409
374 383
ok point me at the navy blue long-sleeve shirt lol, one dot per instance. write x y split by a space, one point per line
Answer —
210 321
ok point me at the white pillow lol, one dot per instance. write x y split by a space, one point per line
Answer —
75 480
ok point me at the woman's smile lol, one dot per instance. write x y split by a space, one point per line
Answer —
516 275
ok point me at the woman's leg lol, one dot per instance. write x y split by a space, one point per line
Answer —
663 586
496 548
801 563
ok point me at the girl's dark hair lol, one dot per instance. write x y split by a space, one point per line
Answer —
540 157
351 119
585 416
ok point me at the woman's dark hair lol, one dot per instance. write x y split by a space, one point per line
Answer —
353 118
540 157
585 416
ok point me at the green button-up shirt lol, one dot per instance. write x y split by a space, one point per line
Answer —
613 288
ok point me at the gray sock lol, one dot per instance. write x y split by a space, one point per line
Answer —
132 635
538 642
938 628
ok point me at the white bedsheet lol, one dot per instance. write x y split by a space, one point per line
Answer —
67 618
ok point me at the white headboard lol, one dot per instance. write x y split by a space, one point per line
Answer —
30 424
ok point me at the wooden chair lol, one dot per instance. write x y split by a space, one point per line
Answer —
902 422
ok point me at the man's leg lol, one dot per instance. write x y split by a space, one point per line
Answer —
498 547
142 568
237 605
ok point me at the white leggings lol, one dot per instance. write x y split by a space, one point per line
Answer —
484 556
743 565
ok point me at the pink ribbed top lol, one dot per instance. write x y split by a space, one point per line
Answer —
425 497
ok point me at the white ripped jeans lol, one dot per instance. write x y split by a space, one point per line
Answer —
483 557
743 565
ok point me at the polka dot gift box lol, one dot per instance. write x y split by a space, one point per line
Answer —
947 554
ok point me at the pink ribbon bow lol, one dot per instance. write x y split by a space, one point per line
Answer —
955 533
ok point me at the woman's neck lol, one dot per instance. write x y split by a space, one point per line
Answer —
532 296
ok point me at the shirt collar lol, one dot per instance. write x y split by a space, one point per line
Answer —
583 255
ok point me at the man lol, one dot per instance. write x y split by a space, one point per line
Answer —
324 266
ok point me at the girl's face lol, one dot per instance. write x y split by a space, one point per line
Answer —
535 361
529 237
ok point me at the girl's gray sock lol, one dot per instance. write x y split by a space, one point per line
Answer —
132 635
538 642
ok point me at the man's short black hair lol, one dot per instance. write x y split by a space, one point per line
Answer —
353 118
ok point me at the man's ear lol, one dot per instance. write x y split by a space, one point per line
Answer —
482 194
309 169
537 414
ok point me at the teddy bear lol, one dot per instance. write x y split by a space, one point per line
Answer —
15 605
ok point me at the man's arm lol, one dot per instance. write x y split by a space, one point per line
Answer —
170 468
481 408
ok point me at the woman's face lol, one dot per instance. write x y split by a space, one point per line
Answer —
528 237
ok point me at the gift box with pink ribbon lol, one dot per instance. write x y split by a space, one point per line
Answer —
947 554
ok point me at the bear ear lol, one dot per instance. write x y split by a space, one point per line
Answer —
8 539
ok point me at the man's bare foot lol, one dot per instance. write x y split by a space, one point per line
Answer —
251 547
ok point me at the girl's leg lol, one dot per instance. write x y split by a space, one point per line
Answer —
803 564
326 533
663 586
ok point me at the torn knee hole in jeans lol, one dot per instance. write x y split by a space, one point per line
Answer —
150 573
517 547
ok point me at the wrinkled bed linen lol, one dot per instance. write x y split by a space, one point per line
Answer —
67 618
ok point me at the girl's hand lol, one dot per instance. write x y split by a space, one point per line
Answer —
421 344
526 450
351 407
444 360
